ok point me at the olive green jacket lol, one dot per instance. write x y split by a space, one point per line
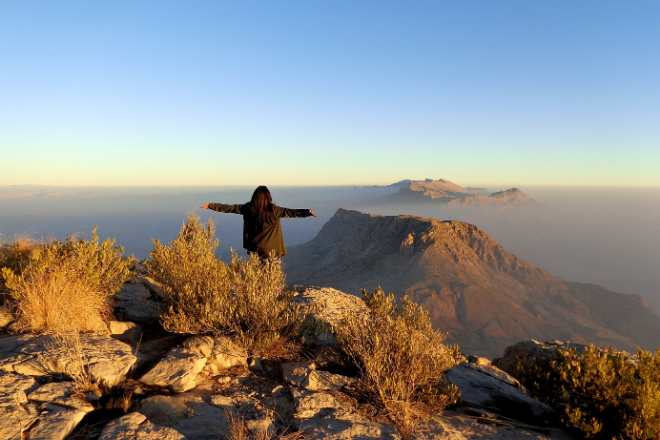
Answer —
262 239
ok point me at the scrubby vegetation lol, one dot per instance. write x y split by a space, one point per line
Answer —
401 358
63 287
602 393
246 299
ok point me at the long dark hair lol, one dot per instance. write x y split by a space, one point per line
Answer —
261 206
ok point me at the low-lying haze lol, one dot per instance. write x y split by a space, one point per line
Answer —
607 236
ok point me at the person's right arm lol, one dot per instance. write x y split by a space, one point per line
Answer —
221 207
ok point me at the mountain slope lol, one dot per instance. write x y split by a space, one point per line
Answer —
484 297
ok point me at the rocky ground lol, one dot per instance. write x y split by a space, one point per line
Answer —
156 385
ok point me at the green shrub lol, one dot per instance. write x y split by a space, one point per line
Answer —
246 299
66 286
401 358
602 393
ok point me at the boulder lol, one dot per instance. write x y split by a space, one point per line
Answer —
454 426
125 331
202 345
60 394
136 426
108 360
177 370
188 415
327 307
488 387
134 292
310 405
346 426
226 354
305 375
15 417
145 311
56 424
527 351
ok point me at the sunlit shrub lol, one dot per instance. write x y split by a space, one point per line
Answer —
246 299
66 286
401 358
602 393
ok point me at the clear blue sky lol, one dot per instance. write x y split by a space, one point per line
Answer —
329 92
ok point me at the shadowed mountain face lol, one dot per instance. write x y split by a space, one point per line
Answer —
484 297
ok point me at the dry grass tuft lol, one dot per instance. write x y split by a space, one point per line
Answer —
246 299
58 302
401 358
66 287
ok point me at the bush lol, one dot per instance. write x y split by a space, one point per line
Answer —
66 286
15 256
602 393
246 299
401 358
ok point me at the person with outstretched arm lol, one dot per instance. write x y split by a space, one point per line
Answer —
262 231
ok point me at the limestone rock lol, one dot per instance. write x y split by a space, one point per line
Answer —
529 350
329 306
109 360
453 426
188 415
305 375
60 394
17 386
224 403
309 405
139 310
134 292
125 331
488 387
56 424
225 355
15 418
135 426
346 426
202 345
177 370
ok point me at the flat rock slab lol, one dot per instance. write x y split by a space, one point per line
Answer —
109 360
15 418
56 424
177 370
347 427
189 415
135 426
488 387
453 426
17 386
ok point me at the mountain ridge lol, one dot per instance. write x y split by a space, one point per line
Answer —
484 296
